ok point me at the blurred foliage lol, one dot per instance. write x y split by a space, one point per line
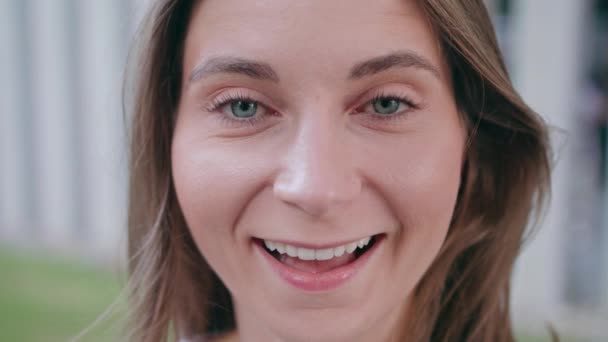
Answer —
48 299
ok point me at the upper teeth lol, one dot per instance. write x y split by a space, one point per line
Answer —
316 254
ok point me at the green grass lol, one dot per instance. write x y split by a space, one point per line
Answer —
46 298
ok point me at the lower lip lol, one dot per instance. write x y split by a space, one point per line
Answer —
317 282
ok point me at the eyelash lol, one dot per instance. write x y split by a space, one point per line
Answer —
403 98
227 99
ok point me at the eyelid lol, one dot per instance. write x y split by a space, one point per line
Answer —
397 90
376 94
218 107
224 96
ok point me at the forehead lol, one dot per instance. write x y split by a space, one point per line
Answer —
321 37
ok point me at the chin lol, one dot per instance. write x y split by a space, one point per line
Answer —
353 320
333 325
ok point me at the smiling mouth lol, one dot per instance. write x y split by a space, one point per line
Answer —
318 260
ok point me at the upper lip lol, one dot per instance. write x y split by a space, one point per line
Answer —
300 244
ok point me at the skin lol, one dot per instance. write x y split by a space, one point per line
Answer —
318 166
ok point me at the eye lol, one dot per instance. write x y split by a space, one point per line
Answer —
236 109
388 108
386 105
240 109
243 108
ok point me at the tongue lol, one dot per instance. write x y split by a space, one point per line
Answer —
317 266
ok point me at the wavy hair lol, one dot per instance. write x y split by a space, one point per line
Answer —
463 296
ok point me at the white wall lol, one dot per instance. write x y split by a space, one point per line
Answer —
63 156
548 63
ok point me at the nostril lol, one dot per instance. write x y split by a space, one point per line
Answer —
313 204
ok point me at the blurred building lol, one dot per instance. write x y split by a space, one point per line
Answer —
557 52
63 161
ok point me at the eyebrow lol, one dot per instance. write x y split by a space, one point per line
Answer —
402 59
263 71
234 65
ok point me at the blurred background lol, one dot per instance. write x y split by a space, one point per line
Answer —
63 165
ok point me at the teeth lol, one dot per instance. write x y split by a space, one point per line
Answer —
316 254
363 242
351 247
291 251
306 254
270 245
280 247
324 254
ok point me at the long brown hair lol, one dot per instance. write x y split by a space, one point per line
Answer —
464 296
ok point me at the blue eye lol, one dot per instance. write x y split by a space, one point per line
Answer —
243 108
386 105
238 109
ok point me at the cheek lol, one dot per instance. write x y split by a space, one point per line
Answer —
422 184
421 176
433 188
198 178
212 186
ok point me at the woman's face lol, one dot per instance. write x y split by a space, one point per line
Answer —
303 128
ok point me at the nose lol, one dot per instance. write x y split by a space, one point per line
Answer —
318 174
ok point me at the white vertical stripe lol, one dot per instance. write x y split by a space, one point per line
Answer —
50 98
546 57
12 153
103 54
140 9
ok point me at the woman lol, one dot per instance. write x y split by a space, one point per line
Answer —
342 170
